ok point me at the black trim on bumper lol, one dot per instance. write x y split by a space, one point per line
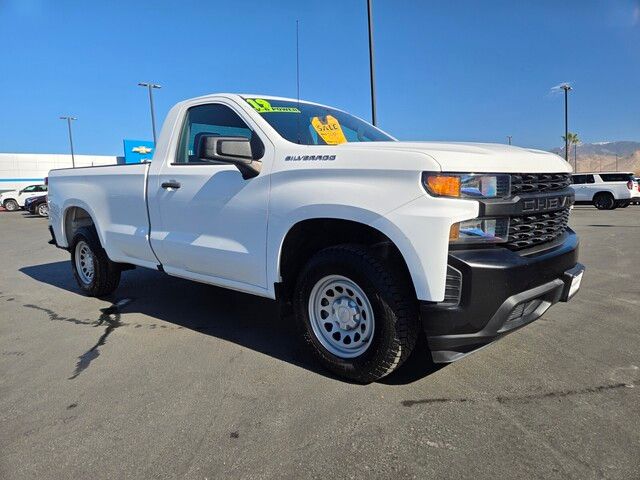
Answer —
494 282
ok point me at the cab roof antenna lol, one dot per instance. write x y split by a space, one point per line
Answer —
298 79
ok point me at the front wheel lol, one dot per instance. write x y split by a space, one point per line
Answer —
356 313
11 205
95 274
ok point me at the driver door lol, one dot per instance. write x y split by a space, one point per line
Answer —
207 222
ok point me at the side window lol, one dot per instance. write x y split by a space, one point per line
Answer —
30 188
40 188
615 177
589 179
577 179
212 119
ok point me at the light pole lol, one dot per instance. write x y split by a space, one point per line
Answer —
566 87
372 74
509 138
150 87
68 119
616 162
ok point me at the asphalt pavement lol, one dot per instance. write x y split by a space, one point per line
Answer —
173 379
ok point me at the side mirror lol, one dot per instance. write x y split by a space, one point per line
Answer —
234 150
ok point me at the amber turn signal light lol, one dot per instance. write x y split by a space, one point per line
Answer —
443 185
454 232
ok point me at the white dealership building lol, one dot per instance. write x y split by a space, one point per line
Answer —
19 170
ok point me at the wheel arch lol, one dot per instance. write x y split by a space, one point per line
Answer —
74 216
600 192
307 236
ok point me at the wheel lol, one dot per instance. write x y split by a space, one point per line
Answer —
95 273
604 201
43 209
358 316
11 205
623 203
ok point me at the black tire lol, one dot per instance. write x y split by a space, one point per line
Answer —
604 201
43 210
393 303
11 205
106 274
623 203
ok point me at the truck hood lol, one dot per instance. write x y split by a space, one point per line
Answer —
475 157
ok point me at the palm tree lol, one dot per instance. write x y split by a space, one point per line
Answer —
572 139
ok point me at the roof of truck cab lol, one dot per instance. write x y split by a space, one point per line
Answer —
243 96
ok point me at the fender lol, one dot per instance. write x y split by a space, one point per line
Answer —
278 231
77 203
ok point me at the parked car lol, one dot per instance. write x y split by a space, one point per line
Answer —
364 238
37 206
605 190
14 200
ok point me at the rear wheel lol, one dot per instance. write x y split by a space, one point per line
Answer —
95 274
43 210
11 205
604 201
356 314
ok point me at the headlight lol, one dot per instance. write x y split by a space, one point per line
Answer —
480 230
467 185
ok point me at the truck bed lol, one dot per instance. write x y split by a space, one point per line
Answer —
113 195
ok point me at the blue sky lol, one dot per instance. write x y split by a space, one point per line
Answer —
446 70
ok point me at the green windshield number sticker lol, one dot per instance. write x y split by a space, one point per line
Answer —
260 105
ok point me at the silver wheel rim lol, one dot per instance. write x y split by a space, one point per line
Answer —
11 206
42 210
341 316
84 262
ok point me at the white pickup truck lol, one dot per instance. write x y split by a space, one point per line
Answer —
367 239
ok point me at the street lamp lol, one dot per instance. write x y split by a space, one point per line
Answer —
151 86
68 119
566 87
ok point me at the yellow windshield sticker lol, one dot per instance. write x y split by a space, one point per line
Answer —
330 130
260 105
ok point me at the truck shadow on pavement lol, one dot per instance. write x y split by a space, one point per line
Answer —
246 320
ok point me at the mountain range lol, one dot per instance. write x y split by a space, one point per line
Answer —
604 156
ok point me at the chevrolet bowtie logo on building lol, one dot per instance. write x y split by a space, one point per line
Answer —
141 149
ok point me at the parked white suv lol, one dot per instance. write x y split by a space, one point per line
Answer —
14 200
605 190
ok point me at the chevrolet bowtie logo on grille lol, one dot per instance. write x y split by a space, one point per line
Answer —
546 203
141 149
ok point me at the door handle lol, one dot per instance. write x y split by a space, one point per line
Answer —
170 184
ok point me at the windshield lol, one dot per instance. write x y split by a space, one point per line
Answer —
308 124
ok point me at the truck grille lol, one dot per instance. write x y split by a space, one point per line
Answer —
538 182
529 230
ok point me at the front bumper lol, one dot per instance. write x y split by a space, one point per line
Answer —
501 291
